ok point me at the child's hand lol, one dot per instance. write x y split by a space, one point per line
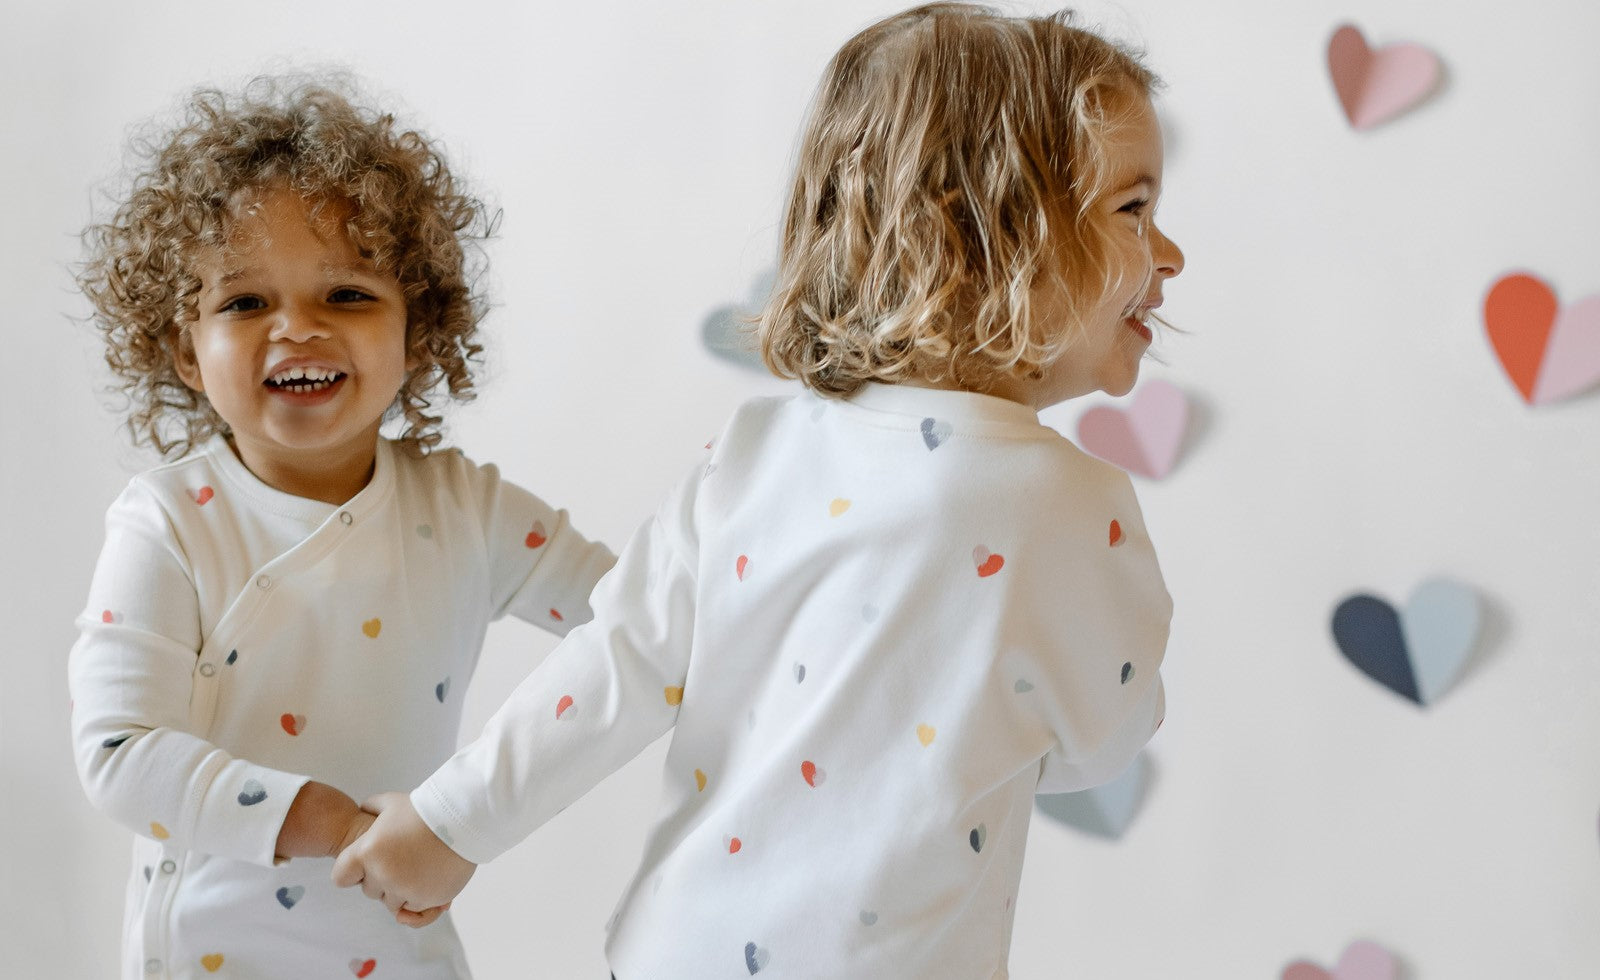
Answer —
403 864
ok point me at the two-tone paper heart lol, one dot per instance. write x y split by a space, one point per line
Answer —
1104 811
1361 961
1146 437
1549 353
1418 651
1376 85
728 332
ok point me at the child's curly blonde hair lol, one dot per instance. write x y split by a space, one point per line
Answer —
952 159
409 216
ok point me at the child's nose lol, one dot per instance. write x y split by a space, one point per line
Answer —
298 323
1166 253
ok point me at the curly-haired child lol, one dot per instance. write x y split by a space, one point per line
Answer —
284 617
885 613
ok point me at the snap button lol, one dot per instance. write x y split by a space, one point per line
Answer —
206 670
152 966
264 582
345 518
168 867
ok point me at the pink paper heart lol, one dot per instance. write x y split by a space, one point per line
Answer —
1144 438
1375 86
1572 355
1361 961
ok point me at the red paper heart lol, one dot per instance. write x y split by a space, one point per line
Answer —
1519 313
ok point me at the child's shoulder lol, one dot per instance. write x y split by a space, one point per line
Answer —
193 476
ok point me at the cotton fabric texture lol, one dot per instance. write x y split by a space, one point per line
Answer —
239 641
875 629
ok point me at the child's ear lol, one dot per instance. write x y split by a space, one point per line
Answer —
183 359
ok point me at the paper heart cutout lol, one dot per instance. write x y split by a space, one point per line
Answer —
1417 652
728 331
1104 811
290 897
1548 353
1362 960
755 958
1143 438
987 563
1374 86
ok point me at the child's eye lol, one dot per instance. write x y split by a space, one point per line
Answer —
1135 207
348 294
242 304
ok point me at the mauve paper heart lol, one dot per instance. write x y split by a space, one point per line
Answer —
1547 352
1145 437
1361 961
1375 86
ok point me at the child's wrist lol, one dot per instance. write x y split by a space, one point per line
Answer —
318 823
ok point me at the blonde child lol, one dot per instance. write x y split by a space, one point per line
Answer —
887 612
285 617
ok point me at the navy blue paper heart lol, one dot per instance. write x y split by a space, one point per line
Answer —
1368 633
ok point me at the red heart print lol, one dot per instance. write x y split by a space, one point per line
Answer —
293 724
363 968
555 615
1116 534
201 495
741 566
734 844
536 537
987 563
811 774
108 616
563 705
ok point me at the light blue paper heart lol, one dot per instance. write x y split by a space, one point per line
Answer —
728 333
1105 811
1440 622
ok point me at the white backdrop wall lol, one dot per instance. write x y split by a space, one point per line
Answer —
1356 434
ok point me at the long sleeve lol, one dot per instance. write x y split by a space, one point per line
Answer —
1098 639
541 569
131 675
608 690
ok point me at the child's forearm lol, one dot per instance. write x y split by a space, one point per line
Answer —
321 822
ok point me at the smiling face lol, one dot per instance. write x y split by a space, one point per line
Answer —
1140 259
299 345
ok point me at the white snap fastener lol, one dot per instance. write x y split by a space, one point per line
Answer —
168 867
206 670
345 518
152 966
264 582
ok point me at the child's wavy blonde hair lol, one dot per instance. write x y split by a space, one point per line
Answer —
408 215
953 158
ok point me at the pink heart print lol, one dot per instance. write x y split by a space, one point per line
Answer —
1145 437
1375 86
1362 960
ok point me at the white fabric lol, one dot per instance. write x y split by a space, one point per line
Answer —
888 617
240 641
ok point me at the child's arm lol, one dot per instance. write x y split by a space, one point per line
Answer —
133 674
1099 634
608 690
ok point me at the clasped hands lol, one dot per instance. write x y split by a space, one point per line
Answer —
398 861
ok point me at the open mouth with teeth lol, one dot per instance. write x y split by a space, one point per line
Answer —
304 381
